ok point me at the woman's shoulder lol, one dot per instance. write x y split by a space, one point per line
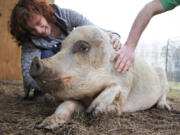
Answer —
62 12
28 47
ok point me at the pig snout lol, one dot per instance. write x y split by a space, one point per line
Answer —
36 67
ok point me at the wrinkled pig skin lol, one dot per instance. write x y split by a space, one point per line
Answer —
83 78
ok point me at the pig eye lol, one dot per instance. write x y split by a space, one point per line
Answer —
81 46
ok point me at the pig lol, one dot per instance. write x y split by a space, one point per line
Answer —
82 78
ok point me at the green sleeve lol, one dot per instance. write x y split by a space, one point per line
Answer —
170 4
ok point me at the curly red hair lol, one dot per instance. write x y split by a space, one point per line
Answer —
21 14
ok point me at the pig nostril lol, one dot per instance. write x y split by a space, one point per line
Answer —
36 67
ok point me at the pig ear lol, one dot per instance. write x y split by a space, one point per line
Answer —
81 46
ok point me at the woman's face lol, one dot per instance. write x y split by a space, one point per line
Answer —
39 26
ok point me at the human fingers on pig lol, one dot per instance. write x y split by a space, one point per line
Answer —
115 41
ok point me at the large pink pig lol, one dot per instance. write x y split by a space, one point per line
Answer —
83 78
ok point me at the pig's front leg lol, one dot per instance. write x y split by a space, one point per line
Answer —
62 114
109 101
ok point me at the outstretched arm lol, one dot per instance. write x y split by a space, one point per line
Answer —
125 57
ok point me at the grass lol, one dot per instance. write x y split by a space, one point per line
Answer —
174 90
174 94
174 85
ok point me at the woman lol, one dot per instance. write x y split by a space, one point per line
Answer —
39 29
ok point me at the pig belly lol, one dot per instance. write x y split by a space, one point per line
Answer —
141 100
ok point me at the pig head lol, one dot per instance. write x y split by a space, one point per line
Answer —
82 77
80 69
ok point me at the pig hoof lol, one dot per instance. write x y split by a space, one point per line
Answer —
102 109
111 109
164 106
51 123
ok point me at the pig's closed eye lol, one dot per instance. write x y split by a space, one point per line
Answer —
81 46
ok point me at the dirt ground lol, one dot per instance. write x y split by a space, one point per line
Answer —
19 117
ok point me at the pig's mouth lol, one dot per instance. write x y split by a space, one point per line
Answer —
43 75
60 78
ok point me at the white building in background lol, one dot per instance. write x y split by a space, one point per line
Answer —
152 52
163 54
173 59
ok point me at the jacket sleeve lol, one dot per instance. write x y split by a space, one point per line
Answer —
71 17
74 18
26 58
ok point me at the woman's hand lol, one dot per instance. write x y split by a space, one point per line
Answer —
115 41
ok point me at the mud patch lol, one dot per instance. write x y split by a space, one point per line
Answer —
18 117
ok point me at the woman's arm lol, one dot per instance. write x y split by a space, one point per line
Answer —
27 54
